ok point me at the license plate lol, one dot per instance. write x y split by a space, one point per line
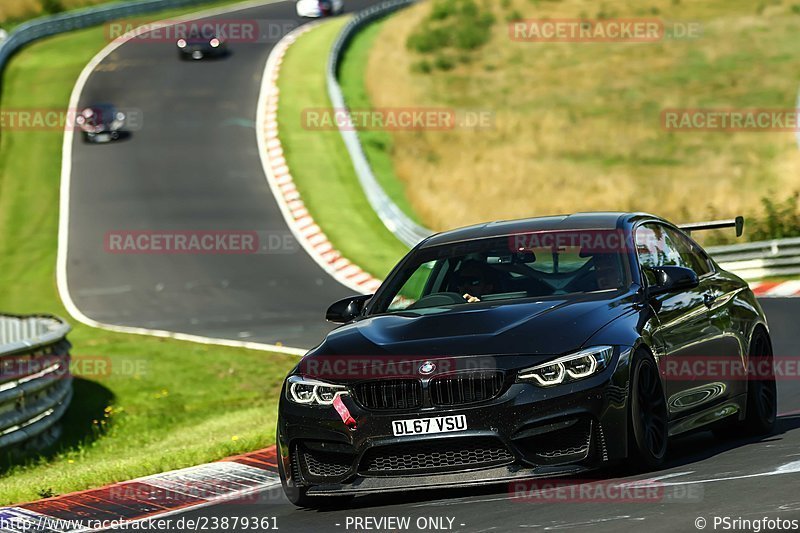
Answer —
424 426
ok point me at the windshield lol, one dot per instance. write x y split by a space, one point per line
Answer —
513 267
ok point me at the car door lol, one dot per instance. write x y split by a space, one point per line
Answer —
718 296
691 337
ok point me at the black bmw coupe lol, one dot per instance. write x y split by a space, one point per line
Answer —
200 44
527 348
101 123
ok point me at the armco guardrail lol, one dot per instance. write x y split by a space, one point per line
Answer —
756 260
405 229
35 383
74 20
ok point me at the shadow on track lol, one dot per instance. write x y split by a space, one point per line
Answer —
684 451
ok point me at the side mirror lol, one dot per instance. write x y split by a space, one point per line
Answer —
672 279
346 309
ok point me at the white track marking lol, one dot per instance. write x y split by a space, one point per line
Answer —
650 480
788 468
572 525
66 174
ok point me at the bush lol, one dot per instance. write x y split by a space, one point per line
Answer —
429 41
513 16
469 10
442 10
52 6
460 24
476 34
444 62
780 219
421 67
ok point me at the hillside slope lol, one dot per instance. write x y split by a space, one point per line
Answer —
578 125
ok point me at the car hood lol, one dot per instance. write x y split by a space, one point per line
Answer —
546 327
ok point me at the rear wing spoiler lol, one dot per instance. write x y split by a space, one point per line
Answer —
737 223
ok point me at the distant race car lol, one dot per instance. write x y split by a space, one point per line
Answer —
319 8
198 45
101 123
523 349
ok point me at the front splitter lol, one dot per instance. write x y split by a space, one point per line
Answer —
491 476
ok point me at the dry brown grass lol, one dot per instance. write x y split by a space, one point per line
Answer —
24 9
577 126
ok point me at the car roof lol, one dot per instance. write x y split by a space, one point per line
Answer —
501 228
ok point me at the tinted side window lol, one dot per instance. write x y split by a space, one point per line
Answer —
658 245
691 252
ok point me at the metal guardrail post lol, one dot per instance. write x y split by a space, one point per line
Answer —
35 381
406 230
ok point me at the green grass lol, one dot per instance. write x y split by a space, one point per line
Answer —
320 165
378 144
147 421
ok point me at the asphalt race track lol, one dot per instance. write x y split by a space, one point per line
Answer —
195 166
704 477
192 166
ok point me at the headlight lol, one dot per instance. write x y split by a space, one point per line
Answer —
311 391
181 43
214 42
571 367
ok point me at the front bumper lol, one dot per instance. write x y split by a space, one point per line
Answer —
524 432
104 136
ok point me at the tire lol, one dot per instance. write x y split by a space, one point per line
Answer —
762 397
298 497
648 426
